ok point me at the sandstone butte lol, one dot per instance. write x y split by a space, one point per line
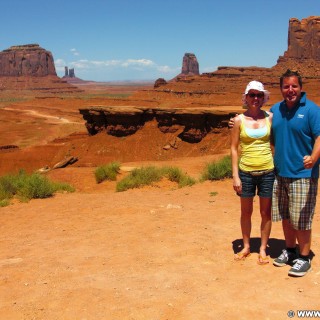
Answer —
184 116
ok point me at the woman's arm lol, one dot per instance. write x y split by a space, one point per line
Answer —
234 148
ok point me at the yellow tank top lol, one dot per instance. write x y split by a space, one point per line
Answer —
255 151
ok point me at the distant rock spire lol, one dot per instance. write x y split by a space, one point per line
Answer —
190 65
69 73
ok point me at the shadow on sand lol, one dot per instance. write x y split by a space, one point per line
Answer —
275 246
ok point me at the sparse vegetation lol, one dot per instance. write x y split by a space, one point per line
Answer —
218 170
4 101
26 187
107 172
139 177
176 175
147 175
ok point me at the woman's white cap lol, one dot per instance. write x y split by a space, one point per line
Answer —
256 85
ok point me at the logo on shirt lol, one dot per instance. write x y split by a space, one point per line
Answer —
300 116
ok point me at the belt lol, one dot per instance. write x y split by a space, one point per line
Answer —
259 172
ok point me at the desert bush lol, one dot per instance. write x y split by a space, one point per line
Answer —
218 170
145 176
26 187
175 174
139 177
7 187
107 172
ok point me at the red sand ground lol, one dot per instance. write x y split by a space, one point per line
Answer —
158 252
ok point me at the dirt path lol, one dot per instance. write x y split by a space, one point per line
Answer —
52 119
153 253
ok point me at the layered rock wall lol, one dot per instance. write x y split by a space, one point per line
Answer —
189 125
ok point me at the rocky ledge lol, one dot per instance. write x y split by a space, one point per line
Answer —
189 125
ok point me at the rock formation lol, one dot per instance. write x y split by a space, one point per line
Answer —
303 51
190 65
30 67
26 60
189 125
160 82
69 72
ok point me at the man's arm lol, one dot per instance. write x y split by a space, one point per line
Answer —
310 160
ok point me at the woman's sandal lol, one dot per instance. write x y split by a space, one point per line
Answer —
240 256
262 261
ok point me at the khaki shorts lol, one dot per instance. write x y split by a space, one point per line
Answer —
294 199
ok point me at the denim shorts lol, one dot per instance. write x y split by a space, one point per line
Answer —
263 184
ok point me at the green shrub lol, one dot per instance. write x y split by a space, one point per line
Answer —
35 187
139 177
147 175
107 172
27 187
186 181
7 189
175 174
218 170
4 202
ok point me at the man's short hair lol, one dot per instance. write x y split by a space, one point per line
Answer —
291 73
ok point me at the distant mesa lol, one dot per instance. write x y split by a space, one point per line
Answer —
26 60
30 67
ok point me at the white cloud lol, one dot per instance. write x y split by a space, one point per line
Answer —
74 52
59 64
167 69
139 62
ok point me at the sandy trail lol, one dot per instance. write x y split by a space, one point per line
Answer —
34 113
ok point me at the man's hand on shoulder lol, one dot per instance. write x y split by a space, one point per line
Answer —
231 122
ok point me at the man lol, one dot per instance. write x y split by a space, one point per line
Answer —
296 134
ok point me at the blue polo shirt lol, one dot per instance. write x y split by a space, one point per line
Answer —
294 133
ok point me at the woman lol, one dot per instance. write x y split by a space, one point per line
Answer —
254 171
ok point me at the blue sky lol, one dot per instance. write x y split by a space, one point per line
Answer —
114 40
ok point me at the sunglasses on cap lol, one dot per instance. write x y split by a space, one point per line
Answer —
258 95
